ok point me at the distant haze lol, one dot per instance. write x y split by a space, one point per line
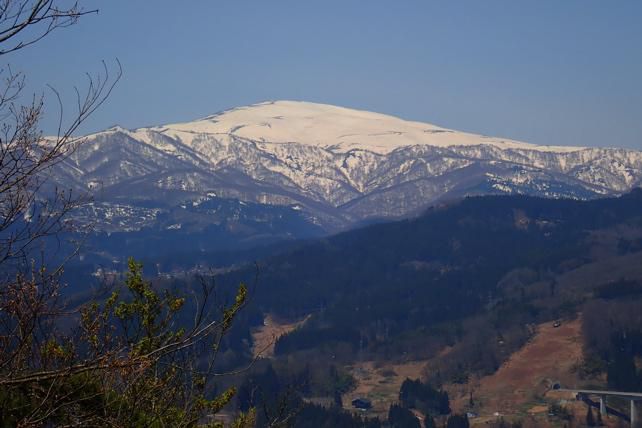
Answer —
546 72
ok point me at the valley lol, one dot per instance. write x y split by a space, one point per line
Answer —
471 308
555 280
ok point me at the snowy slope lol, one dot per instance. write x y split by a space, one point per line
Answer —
336 166
335 128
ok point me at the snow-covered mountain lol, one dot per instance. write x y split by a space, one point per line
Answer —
333 166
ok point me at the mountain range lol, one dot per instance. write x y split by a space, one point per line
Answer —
329 167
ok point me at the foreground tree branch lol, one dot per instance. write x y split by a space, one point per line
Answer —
25 22
129 359
129 353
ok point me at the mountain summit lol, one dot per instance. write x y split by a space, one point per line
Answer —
334 166
335 128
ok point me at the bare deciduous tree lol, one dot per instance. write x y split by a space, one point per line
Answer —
26 213
129 360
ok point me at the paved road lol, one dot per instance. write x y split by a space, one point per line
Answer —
627 395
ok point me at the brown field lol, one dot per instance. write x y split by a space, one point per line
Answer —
519 389
266 335
380 383
521 386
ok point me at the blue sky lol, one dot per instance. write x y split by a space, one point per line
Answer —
546 71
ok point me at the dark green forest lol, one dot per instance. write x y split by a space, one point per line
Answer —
475 275
373 287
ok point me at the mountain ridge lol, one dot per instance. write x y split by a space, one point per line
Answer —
335 166
347 119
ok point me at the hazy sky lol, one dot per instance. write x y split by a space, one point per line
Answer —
543 71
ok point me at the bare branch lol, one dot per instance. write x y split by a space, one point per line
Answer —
25 22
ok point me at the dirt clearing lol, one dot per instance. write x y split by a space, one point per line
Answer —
265 336
380 383
519 386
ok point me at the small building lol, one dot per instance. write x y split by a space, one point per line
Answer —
362 403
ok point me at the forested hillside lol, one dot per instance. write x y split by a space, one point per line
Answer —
452 262
473 276
462 286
